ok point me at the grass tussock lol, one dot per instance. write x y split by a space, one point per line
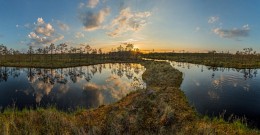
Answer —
162 108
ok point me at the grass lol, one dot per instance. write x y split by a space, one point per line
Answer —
161 108
61 60
208 59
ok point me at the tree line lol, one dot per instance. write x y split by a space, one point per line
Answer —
63 53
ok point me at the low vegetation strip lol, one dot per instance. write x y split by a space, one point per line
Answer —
213 59
161 108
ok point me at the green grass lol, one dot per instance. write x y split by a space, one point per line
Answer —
162 108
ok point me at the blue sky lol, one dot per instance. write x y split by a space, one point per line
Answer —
192 25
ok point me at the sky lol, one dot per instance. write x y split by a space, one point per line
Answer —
162 25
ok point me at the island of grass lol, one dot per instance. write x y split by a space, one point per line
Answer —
161 108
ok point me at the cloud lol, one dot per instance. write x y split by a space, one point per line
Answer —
40 89
28 26
92 86
79 35
128 21
64 88
81 5
43 40
197 29
43 33
45 29
233 33
92 3
213 19
40 21
93 21
63 26
213 95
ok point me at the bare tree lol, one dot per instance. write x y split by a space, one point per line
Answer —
30 52
3 50
129 47
52 48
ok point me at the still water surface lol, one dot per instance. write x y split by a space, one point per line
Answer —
215 91
68 88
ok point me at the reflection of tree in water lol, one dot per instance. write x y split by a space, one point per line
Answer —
3 74
88 76
213 95
128 70
248 73
61 79
47 85
110 66
100 67
75 74
213 68
120 72
137 83
42 81
188 65
94 69
129 74
136 70
255 72
15 72
31 74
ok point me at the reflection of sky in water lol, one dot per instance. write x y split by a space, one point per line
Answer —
213 91
68 88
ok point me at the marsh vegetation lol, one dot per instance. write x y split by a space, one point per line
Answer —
247 58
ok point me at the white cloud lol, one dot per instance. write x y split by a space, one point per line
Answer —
128 21
92 3
79 35
43 40
26 26
44 29
246 27
40 89
43 33
197 29
63 26
233 33
130 40
81 5
40 21
213 19
93 21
